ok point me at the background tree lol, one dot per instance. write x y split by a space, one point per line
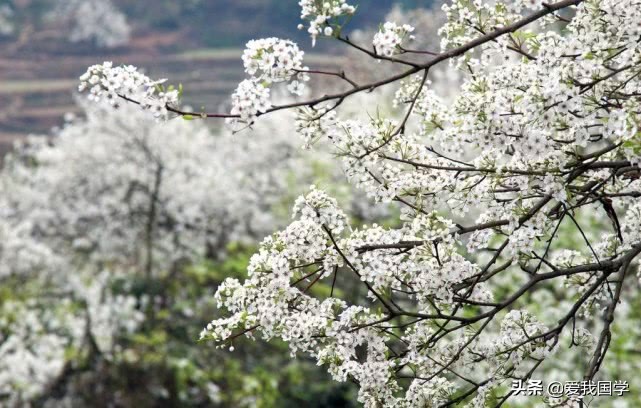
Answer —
115 233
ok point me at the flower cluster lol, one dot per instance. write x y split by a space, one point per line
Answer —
318 207
37 336
517 327
389 38
100 21
331 330
109 83
21 255
269 60
273 60
313 124
112 315
250 99
320 13
32 350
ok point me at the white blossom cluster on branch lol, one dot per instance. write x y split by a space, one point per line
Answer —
322 15
390 37
268 61
108 83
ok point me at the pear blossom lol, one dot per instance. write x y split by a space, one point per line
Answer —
390 37
321 14
250 99
272 59
112 84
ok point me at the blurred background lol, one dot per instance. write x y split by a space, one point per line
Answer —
46 44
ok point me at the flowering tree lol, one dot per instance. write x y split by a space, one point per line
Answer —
112 229
157 198
542 134
99 21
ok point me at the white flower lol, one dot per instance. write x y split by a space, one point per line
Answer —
272 59
390 36
296 88
250 99
320 13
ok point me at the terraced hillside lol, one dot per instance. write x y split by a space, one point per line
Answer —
35 93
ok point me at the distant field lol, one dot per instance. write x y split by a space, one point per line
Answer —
37 86
209 54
